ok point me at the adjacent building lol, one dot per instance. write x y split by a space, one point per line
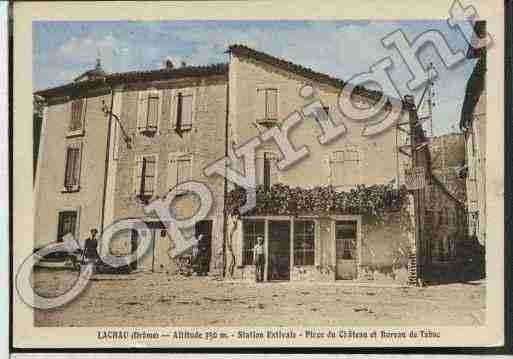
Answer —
94 169
448 163
473 125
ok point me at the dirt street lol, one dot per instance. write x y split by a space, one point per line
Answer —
151 299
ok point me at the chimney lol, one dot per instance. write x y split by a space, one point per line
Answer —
168 64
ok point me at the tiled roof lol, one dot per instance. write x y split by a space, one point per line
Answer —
241 50
164 74
135 76
476 81
199 71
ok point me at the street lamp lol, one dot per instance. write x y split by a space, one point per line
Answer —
108 112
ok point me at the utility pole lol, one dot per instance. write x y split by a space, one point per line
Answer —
413 130
430 95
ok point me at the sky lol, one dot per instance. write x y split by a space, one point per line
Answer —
342 49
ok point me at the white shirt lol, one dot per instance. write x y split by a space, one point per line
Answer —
258 249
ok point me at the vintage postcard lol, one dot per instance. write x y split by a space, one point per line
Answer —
258 174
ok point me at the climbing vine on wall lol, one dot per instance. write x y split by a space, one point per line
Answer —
281 199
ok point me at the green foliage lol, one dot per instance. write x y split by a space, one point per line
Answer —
281 199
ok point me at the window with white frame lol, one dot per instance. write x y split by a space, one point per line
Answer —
267 104
304 243
72 167
76 123
148 112
145 176
345 165
179 169
183 110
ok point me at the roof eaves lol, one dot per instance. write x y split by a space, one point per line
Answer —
133 76
303 71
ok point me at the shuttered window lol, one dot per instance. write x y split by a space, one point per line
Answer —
267 102
183 111
346 167
76 123
145 180
304 243
72 168
153 111
148 112
179 169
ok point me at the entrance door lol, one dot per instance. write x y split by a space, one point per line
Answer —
145 262
345 241
279 250
204 228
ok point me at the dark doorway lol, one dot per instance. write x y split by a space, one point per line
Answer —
279 250
202 261
67 224
134 242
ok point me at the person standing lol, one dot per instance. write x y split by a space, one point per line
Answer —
259 259
91 247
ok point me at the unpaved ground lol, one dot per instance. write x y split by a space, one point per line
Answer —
145 299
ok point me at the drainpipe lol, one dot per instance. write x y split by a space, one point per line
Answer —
225 190
107 153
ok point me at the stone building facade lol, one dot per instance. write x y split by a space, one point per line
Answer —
333 244
348 216
473 125
112 182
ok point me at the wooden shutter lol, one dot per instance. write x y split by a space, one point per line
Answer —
187 110
183 169
179 111
272 104
142 110
76 115
336 164
149 175
317 243
172 172
173 97
72 169
137 174
76 166
353 171
267 170
260 110
68 169
153 110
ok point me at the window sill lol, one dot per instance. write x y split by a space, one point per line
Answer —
76 133
268 122
148 132
73 189
182 128
144 199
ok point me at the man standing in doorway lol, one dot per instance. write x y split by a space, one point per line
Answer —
259 259
91 247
